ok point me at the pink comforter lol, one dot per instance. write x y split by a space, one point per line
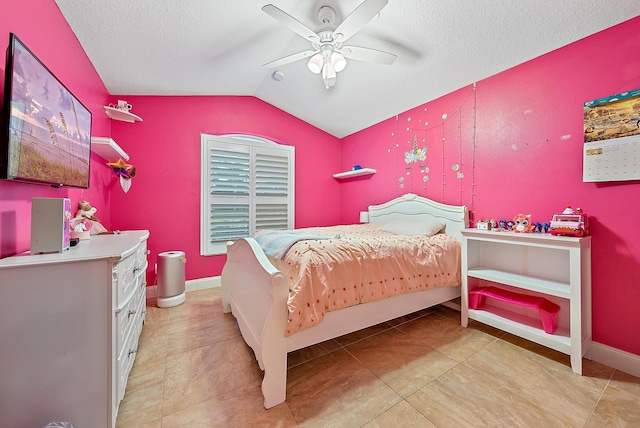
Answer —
362 265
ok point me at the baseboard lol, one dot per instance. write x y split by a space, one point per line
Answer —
607 355
616 358
190 285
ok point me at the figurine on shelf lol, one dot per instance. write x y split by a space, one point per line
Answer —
522 223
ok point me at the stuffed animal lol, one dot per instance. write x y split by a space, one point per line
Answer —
522 223
86 211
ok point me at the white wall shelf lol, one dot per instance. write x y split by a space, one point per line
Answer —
354 173
121 115
108 149
557 268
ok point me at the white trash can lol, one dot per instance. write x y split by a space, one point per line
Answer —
170 290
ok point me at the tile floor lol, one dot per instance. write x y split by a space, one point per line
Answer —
194 370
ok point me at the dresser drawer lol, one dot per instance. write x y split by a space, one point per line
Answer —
126 357
128 273
125 318
141 258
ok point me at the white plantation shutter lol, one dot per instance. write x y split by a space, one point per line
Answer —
247 186
272 189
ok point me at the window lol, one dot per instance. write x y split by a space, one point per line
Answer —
247 186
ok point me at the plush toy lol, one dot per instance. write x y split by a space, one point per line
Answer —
522 223
86 211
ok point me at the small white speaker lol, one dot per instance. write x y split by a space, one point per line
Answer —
50 225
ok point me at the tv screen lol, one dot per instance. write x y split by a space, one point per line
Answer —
46 132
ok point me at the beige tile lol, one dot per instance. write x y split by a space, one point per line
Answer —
350 338
447 335
626 382
143 400
193 369
545 383
335 390
152 344
616 408
310 352
541 350
401 415
402 361
465 397
199 374
157 423
239 408
191 333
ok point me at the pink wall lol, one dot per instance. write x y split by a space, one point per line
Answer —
42 28
528 158
165 148
516 140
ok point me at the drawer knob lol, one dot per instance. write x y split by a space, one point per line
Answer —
132 351
130 313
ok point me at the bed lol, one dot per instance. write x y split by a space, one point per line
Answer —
257 294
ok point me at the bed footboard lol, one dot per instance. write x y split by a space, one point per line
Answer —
256 293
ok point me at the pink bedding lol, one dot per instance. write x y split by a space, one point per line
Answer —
362 265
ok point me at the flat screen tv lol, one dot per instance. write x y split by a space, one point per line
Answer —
46 132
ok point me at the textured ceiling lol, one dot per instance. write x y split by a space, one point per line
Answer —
217 47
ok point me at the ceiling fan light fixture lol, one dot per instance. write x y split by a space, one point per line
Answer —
338 61
328 75
316 64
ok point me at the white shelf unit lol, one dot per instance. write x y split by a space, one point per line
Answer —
557 268
121 115
354 173
108 149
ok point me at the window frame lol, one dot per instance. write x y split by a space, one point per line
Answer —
255 146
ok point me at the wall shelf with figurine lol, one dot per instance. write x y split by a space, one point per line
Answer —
121 115
108 149
354 173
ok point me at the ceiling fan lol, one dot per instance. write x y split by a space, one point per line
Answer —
329 54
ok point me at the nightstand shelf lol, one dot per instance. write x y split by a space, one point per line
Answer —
556 268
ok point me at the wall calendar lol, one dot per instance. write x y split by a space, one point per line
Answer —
612 138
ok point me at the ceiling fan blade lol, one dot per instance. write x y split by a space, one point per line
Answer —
368 55
290 22
290 58
358 18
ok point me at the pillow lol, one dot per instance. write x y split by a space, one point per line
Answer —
413 227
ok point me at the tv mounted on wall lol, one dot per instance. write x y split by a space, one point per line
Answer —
46 132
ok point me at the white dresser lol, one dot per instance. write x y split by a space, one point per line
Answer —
69 329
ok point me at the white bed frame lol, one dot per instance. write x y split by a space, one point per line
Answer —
256 293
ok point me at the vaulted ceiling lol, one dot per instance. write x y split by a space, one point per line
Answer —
218 47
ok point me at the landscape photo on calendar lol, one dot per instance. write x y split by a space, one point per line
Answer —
617 116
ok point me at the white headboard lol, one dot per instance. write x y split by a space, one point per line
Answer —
414 208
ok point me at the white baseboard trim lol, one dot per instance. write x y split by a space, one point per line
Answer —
607 355
616 358
190 285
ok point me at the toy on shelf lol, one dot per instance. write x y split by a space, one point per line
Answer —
547 309
522 224
571 223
